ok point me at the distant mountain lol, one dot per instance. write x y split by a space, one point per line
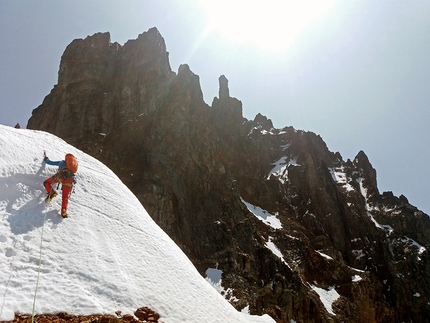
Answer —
107 257
294 230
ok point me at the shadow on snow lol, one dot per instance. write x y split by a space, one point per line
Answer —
24 195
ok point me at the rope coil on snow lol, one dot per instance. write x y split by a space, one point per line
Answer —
40 261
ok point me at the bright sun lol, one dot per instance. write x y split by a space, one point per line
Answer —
269 25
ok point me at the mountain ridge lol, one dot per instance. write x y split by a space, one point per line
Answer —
191 165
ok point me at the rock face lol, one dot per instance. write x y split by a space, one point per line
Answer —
298 232
102 85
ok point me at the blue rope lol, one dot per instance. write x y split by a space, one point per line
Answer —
38 270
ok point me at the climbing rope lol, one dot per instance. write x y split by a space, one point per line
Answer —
40 261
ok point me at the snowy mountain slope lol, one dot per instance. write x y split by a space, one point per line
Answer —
107 256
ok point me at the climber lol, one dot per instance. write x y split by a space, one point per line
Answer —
65 175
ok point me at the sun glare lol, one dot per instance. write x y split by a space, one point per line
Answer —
270 25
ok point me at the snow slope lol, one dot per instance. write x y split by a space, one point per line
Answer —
109 255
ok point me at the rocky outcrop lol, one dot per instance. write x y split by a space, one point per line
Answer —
297 232
141 315
227 111
101 85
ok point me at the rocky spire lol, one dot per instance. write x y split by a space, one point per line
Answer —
224 92
367 172
227 110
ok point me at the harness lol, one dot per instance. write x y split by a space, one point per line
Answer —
62 175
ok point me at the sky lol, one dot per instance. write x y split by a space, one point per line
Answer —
107 256
355 72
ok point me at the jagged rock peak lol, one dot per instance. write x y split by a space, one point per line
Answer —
361 158
224 92
263 121
151 37
97 40
390 199
152 33
369 173
190 87
184 69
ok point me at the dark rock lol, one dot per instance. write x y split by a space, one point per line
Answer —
227 111
265 123
102 85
